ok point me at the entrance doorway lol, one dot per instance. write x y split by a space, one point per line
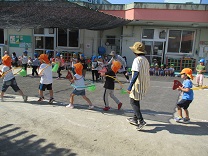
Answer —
155 51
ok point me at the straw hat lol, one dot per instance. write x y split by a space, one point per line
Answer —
112 53
138 48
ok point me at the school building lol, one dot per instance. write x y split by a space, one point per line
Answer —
172 33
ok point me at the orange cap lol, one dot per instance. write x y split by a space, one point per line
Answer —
7 61
188 72
116 65
78 68
44 58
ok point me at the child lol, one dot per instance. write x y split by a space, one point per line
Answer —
60 61
78 81
157 70
14 60
100 65
95 74
46 80
200 70
29 63
172 70
84 64
152 70
24 61
166 70
35 64
187 96
162 70
74 60
110 84
8 78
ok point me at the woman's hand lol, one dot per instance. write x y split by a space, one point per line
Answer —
128 91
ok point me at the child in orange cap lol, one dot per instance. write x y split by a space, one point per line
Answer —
110 84
45 72
79 84
187 96
8 78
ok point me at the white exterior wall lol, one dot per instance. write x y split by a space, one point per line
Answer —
19 51
90 42
117 32
131 34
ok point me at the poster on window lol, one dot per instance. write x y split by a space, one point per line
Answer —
20 41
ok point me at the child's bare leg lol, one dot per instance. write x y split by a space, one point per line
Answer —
180 111
20 92
2 95
71 100
186 113
87 99
51 93
41 93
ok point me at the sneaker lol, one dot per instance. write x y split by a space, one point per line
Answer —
127 81
70 106
25 98
132 121
186 120
91 106
119 106
41 99
141 125
51 100
57 78
178 119
106 108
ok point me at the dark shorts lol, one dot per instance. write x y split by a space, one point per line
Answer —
79 92
11 83
184 103
45 86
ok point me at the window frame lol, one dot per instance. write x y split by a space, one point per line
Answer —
67 42
2 37
179 50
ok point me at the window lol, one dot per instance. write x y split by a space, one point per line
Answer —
62 37
51 31
180 41
38 42
187 41
39 31
111 40
148 34
1 36
174 41
73 38
68 38
49 43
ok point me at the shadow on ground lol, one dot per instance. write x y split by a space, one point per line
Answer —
28 145
196 128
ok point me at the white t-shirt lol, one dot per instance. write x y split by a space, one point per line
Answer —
46 76
100 65
9 75
24 60
136 65
79 82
